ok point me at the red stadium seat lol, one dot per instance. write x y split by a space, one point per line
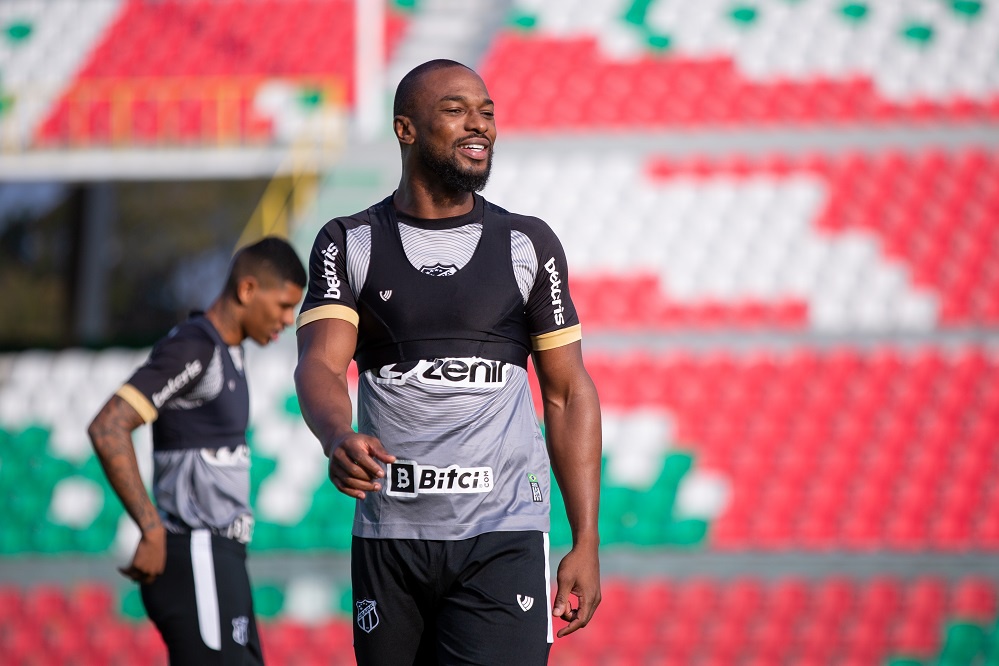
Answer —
153 46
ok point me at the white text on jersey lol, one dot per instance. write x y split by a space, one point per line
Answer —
329 271
474 371
191 370
407 478
556 291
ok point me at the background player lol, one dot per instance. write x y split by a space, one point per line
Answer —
440 297
191 556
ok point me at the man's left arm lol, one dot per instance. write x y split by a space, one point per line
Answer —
572 428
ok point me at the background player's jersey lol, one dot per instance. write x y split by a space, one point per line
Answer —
471 457
193 388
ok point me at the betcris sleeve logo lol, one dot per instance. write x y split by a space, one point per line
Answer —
458 372
191 370
557 309
329 272
407 478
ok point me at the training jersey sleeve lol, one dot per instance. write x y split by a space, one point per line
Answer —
175 366
329 295
550 313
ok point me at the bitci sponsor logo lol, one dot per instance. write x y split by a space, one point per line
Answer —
407 478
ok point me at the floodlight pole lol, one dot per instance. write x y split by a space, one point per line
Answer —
369 67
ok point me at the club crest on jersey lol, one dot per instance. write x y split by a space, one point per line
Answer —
439 270
407 478
239 626
387 294
367 616
474 371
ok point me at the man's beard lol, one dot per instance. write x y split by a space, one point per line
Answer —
452 175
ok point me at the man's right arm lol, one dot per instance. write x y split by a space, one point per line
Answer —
111 435
325 348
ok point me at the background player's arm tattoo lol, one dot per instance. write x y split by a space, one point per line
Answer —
111 435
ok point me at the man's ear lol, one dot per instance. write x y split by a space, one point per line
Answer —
246 289
404 129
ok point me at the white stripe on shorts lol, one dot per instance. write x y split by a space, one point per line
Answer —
548 588
205 593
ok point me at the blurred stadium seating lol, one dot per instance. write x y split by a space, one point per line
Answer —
764 63
889 240
796 348
131 72
741 620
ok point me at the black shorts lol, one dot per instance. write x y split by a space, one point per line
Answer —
201 603
483 600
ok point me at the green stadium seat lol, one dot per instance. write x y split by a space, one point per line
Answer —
130 604
346 602
687 533
267 600
50 539
964 643
32 440
14 539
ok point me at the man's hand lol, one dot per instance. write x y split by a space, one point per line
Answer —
578 575
354 464
150 557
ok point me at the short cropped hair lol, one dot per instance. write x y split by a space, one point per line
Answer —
270 260
405 93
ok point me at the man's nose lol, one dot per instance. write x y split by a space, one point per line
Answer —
476 122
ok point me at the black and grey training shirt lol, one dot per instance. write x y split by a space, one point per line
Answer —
448 312
193 389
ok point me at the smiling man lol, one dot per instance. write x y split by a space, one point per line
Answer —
191 557
440 297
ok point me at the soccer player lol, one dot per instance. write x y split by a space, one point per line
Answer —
191 557
441 297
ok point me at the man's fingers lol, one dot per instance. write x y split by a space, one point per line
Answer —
561 606
575 624
585 611
357 463
577 619
357 483
368 466
137 575
343 486
377 451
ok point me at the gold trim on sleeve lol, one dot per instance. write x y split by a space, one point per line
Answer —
559 338
139 402
331 311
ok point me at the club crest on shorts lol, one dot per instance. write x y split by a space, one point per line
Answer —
367 616
239 626
525 602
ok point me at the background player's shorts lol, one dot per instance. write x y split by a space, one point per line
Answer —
483 600
201 603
